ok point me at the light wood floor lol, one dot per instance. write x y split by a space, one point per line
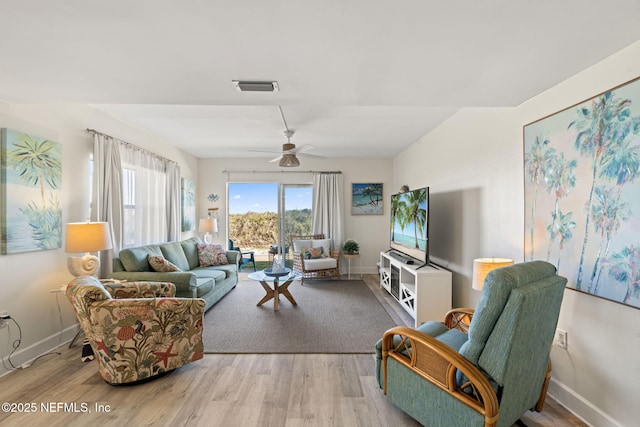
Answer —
223 390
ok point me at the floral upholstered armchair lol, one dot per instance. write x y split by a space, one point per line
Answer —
137 330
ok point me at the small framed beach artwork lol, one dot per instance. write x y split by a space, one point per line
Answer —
366 199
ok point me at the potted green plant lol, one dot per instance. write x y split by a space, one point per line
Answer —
350 247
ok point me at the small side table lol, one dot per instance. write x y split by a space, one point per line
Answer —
349 257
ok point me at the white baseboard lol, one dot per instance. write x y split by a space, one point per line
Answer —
29 354
579 406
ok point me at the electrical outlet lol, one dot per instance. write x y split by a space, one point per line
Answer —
561 338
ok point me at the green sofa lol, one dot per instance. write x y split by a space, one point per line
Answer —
209 283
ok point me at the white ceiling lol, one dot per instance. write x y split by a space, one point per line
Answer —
358 78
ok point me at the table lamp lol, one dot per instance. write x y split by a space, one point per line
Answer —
482 267
208 226
86 237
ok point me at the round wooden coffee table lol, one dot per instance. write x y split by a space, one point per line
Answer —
274 286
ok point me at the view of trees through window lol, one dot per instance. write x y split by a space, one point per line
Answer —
258 212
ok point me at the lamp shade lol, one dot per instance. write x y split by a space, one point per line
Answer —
87 237
206 225
482 267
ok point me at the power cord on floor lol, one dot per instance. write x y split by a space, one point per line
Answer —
16 345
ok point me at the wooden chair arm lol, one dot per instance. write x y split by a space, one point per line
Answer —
438 364
459 318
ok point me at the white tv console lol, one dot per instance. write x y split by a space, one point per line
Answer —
424 292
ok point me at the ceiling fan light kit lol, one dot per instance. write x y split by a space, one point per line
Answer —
289 161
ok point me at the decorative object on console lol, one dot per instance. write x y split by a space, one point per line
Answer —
31 169
350 247
86 237
366 199
482 267
582 193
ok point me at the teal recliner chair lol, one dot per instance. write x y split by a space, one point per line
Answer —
482 368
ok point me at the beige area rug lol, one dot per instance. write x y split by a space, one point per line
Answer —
332 316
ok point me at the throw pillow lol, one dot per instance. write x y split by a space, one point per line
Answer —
313 253
159 263
212 255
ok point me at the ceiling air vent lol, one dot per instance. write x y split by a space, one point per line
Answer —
245 86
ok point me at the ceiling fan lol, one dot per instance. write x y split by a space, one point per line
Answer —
289 156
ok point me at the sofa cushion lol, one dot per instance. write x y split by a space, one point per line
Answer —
210 273
161 264
135 259
320 263
204 286
212 255
190 249
174 253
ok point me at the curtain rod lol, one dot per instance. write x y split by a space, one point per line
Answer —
255 171
132 146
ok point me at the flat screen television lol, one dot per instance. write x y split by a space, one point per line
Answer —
410 223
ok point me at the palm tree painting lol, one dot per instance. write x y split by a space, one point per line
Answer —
366 199
582 193
31 181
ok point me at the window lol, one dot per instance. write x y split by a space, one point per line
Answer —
266 214
129 205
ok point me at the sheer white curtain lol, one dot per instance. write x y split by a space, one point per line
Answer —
174 205
328 207
107 194
136 192
145 197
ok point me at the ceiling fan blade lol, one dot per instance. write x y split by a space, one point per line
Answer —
311 156
264 151
302 149
276 159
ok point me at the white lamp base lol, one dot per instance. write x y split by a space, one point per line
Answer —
207 238
86 265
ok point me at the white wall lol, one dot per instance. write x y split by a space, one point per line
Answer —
371 231
28 278
473 165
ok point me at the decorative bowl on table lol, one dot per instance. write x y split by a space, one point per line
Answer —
271 273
